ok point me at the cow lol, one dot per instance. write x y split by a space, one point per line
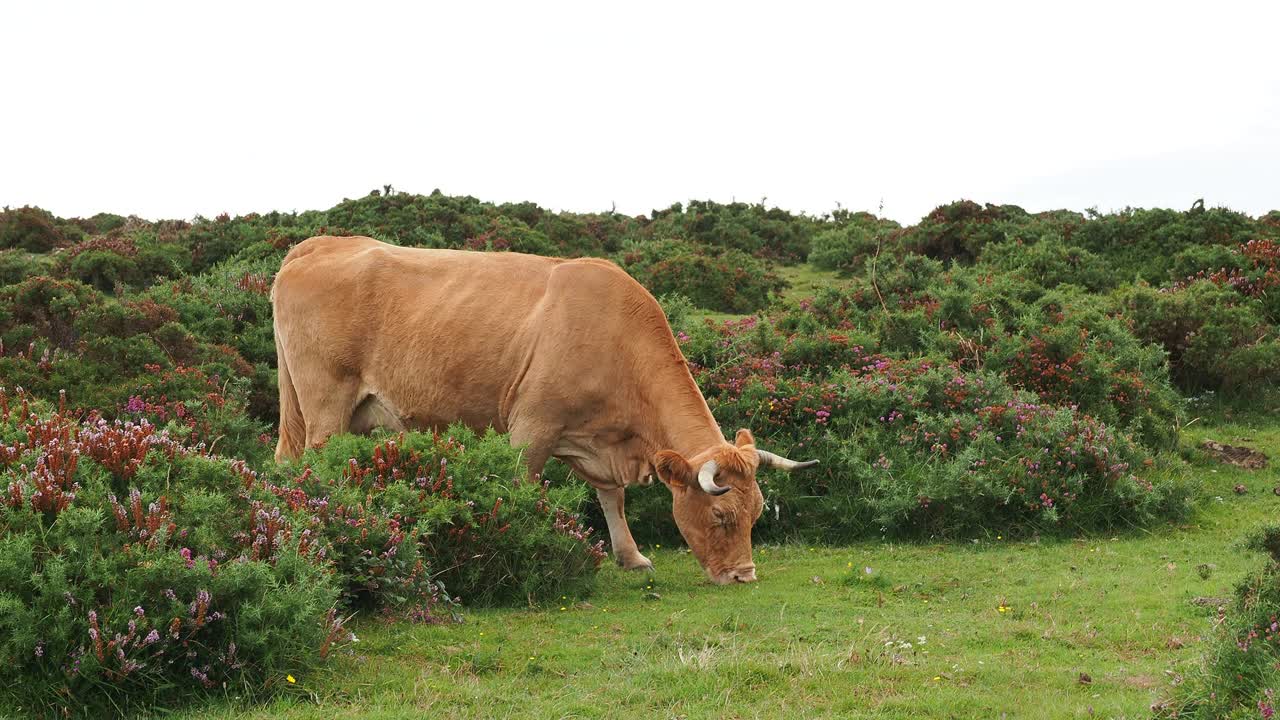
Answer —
572 357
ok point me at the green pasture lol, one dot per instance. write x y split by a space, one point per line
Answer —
983 627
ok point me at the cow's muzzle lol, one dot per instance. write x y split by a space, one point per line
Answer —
744 574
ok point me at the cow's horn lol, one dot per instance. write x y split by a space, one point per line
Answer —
768 459
707 479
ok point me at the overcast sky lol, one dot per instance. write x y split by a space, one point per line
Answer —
174 109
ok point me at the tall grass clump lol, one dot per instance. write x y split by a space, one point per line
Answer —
1239 674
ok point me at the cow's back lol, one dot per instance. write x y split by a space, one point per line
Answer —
438 335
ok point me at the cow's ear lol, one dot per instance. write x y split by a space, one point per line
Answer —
744 438
673 469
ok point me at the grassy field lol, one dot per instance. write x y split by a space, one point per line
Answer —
983 627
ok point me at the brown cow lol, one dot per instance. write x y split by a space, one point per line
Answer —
572 357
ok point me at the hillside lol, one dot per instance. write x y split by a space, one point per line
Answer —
1008 408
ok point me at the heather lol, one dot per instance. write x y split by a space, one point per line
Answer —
138 570
925 446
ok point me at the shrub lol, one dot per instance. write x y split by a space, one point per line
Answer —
1216 338
1147 243
851 239
726 281
120 585
961 230
1063 345
751 228
918 447
1052 262
33 230
137 570
137 260
456 501
18 265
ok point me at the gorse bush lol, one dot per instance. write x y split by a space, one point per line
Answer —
1148 243
456 500
722 280
35 230
122 583
1063 344
1216 338
751 228
851 240
918 446
138 570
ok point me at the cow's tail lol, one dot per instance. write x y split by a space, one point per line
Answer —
293 429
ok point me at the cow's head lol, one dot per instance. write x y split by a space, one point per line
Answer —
716 500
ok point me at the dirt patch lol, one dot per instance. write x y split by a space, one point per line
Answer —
1145 682
1244 457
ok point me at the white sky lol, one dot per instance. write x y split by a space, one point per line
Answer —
174 109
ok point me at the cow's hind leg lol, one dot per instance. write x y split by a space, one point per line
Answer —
327 404
625 552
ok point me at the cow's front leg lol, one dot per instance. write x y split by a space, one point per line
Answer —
625 551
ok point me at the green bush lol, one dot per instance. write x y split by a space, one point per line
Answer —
851 240
725 281
1052 262
1065 345
1149 244
18 265
962 230
107 261
34 230
137 570
921 447
1216 338
457 501
751 228
122 585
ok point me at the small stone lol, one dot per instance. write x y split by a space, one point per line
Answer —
652 596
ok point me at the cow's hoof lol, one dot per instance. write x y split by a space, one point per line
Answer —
636 562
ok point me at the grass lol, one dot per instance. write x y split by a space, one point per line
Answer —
819 636
804 280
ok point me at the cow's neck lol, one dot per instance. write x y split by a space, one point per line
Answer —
685 422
